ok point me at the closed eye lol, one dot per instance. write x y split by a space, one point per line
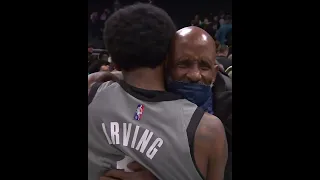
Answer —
204 65
205 68
182 66
184 63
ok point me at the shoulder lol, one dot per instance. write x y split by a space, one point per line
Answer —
210 128
211 124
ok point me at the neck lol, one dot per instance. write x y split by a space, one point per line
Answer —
146 78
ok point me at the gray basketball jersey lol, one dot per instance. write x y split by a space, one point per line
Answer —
148 126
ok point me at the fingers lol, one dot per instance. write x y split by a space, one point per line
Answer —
102 76
120 174
107 76
104 68
134 166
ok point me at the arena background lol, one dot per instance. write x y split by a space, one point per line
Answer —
182 12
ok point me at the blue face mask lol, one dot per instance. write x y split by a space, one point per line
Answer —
199 94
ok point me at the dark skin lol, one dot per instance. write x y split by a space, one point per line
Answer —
192 59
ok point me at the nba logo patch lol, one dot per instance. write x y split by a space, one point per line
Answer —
139 112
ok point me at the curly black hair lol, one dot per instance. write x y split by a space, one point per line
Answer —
138 36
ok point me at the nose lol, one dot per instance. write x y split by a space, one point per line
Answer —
194 75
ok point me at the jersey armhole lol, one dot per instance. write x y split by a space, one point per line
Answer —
191 131
93 91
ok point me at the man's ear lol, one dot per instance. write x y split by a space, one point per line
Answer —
215 71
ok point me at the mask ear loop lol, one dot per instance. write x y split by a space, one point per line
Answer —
166 70
212 83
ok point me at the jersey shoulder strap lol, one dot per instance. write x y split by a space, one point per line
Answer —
93 91
191 132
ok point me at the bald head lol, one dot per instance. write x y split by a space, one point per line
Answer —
195 40
194 35
192 56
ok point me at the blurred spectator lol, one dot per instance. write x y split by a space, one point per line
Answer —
196 21
94 30
221 17
207 26
104 15
205 22
215 19
224 30
222 51
222 56
214 28
97 60
229 40
215 23
116 5
93 16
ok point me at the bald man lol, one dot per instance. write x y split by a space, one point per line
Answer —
192 68
191 73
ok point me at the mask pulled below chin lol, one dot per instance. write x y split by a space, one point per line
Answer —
199 94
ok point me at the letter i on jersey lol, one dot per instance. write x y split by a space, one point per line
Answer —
139 112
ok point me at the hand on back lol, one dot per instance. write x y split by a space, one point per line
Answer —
140 173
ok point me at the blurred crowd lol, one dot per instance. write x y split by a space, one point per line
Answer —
218 25
96 21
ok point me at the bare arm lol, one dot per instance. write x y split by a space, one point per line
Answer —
211 149
218 157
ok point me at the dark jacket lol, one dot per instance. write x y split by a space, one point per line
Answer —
223 103
223 110
224 61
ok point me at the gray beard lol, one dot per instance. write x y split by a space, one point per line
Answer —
169 79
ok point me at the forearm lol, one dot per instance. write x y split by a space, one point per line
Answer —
104 76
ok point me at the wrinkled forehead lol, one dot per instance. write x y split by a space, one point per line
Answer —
194 47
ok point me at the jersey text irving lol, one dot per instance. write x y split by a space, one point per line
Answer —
114 136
